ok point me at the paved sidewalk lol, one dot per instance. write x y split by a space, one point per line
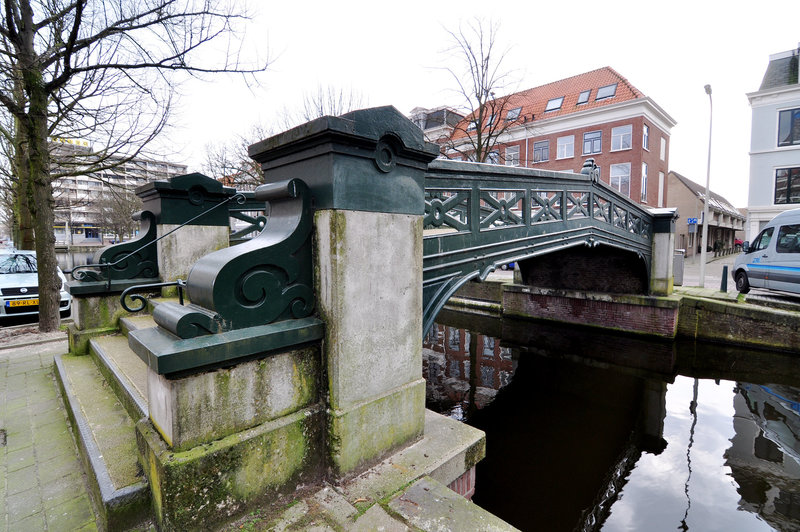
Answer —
714 267
42 486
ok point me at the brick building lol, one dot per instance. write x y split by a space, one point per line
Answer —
597 114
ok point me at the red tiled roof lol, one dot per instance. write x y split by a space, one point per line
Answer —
533 101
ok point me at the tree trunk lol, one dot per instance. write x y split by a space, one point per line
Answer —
42 211
23 194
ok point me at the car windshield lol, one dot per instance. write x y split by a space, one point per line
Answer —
17 263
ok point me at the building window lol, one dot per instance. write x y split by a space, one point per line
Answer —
663 149
621 138
661 189
789 127
606 92
646 137
584 96
513 114
541 151
512 156
472 126
787 186
620 177
490 121
494 157
644 182
592 142
565 147
554 104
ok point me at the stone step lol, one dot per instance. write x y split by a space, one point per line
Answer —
106 439
124 372
135 322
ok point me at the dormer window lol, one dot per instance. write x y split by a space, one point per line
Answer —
513 114
606 92
554 104
584 96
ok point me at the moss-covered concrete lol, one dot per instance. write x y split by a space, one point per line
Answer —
207 406
213 482
93 312
106 442
79 339
373 355
361 436
178 251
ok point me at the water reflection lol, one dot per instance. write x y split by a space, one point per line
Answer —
596 432
70 259
764 456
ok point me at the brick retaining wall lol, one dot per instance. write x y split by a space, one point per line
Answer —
629 313
680 315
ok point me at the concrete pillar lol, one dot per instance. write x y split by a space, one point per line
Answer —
366 171
661 278
176 201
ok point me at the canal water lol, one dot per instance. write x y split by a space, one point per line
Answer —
591 431
70 259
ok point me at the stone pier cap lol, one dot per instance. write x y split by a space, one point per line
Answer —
664 219
337 157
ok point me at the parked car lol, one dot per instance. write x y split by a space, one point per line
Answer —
19 285
772 260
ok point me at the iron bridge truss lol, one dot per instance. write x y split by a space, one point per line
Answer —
479 217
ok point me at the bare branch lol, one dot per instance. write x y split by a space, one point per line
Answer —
479 76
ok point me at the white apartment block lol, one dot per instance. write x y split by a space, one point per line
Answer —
77 197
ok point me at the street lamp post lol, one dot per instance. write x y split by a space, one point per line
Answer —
704 241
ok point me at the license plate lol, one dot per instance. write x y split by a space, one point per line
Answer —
22 302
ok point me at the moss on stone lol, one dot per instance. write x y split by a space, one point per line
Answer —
212 482
363 435
79 339
475 454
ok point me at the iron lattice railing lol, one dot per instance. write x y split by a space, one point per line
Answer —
479 216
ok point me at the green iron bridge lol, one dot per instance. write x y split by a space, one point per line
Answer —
479 217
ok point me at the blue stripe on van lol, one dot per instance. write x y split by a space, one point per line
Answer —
770 267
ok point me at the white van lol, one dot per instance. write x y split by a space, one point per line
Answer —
772 260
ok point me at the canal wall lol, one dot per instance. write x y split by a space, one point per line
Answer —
694 314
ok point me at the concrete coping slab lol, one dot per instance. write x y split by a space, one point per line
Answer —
448 449
430 505
169 355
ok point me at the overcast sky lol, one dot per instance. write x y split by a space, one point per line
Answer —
391 53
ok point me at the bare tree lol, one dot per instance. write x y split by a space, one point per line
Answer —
102 70
230 163
116 208
479 74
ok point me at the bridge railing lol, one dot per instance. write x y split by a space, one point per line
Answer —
467 203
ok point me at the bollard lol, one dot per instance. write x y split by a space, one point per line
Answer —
723 286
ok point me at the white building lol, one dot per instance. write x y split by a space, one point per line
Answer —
437 124
774 142
77 197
